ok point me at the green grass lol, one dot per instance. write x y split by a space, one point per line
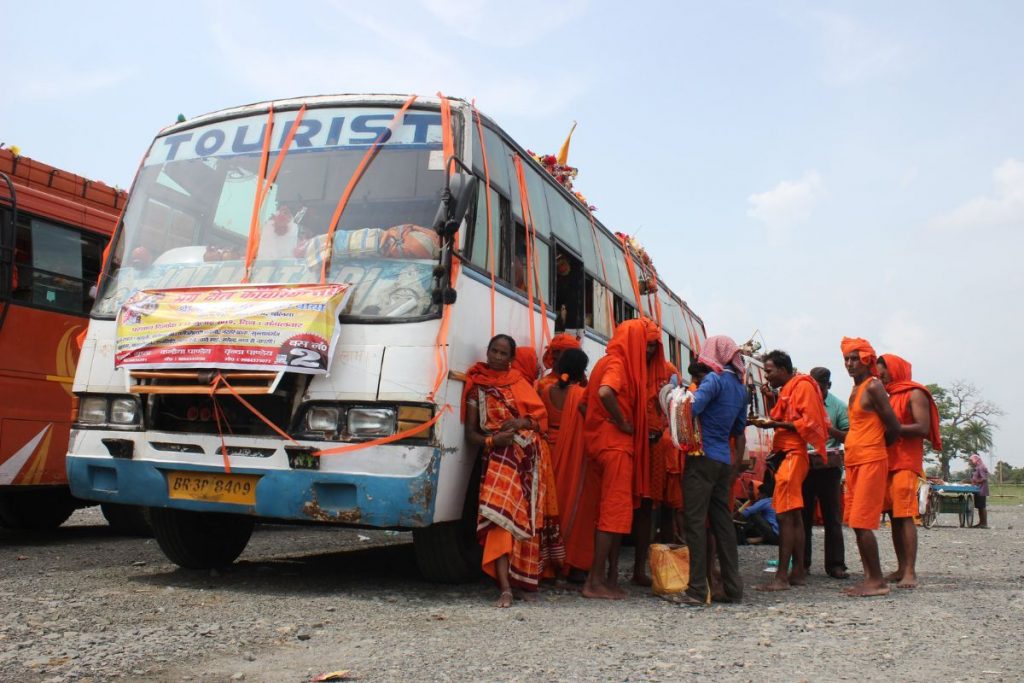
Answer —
1006 494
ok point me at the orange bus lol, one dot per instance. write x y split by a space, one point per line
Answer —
54 226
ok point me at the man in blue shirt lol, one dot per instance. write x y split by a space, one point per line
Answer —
823 483
720 406
762 522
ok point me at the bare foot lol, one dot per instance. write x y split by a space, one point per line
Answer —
505 600
839 574
866 590
797 578
776 584
909 580
599 591
641 579
894 576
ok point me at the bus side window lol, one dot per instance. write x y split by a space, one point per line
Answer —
596 298
569 296
54 263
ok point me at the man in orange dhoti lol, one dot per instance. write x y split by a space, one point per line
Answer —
798 419
873 426
505 417
919 420
615 430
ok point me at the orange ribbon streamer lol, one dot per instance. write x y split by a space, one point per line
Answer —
487 201
441 343
609 304
631 270
253 247
412 431
350 188
254 222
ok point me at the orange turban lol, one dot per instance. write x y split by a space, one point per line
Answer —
863 349
559 343
900 385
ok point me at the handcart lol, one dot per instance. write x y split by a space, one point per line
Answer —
950 498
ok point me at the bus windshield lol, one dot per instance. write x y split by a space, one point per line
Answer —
188 219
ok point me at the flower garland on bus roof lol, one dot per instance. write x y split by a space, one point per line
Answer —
562 173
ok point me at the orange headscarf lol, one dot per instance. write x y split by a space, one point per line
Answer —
525 362
899 387
560 342
527 401
865 351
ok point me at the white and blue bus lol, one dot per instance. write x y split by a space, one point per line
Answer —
208 463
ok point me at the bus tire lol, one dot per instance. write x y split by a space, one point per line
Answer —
35 509
128 520
449 552
200 540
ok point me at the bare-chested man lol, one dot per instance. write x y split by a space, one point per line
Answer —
919 420
873 426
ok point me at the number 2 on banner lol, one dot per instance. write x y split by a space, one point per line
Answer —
304 358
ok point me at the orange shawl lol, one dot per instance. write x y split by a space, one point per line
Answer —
629 346
800 402
527 401
899 389
526 363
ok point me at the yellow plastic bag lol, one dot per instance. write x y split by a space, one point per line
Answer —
670 568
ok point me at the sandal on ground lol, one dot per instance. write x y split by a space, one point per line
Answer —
684 600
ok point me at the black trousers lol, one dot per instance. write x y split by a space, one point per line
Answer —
823 484
706 490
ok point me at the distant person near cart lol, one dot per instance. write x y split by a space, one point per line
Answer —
979 477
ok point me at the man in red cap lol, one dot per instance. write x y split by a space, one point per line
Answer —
919 420
873 426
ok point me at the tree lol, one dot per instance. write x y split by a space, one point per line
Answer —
1004 471
966 420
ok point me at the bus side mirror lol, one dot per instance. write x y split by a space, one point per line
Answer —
461 195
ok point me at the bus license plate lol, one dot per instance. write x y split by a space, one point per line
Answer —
213 488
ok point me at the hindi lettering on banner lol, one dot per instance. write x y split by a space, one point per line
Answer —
292 328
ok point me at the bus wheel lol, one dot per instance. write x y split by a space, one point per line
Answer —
129 520
449 552
200 540
35 510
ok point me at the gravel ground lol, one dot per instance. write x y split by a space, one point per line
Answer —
81 604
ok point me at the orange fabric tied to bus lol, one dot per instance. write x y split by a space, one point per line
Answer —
290 301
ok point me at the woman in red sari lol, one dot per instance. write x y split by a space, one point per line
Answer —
506 419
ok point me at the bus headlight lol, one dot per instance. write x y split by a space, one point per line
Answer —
323 419
371 422
92 410
124 411
116 411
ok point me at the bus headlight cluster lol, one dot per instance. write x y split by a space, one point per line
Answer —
335 422
109 411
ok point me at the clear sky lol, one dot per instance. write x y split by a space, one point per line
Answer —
806 169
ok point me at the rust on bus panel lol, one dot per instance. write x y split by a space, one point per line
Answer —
421 493
313 510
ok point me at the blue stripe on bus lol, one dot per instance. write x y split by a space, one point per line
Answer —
305 495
